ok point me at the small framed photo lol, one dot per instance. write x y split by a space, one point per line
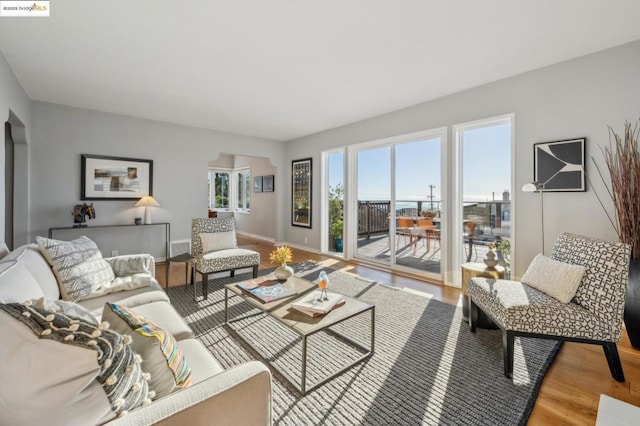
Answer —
257 184
115 178
267 183
560 166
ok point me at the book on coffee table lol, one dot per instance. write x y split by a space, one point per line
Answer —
267 290
313 306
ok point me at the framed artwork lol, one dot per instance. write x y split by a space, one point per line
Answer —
560 166
257 184
301 180
267 183
115 178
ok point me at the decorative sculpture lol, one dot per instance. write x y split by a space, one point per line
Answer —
79 213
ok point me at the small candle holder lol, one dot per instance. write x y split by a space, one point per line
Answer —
322 282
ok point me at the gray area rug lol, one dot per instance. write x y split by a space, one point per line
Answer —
428 368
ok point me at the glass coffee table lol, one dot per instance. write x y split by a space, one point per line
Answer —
303 325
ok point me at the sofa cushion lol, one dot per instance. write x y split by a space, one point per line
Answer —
163 314
78 265
212 241
36 264
70 309
4 250
161 355
17 284
64 371
557 279
203 364
128 299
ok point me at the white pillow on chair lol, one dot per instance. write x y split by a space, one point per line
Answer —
557 279
214 241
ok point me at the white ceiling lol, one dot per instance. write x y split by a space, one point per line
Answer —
282 69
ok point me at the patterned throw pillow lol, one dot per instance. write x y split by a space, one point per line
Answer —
161 355
118 369
78 266
557 279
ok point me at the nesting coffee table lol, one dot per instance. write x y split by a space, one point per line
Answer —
303 325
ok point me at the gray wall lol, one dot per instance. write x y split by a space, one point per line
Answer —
262 221
180 157
572 99
16 108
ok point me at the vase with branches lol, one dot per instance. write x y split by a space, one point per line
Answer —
622 159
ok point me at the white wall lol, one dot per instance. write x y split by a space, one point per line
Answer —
14 102
180 157
573 99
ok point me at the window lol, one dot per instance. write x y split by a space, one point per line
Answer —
244 191
230 190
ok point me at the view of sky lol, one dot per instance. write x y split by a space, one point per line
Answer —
486 168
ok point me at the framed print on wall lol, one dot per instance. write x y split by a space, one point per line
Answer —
267 183
257 184
115 178
560 166
301 193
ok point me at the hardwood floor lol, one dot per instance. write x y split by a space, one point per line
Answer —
571 389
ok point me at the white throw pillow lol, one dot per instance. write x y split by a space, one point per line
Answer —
78 266
218 241
557 279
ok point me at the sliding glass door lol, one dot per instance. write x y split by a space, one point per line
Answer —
399 203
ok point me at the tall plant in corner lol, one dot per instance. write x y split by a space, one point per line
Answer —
623 162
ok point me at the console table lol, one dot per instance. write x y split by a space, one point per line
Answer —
152 238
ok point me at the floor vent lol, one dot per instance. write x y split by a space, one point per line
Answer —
179 247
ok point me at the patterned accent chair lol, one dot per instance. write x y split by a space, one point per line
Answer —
594 315
225 259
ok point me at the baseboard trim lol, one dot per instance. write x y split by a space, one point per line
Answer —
256 236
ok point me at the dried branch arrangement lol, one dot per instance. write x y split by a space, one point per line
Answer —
623 161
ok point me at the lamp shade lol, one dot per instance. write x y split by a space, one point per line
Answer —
529 187
147 201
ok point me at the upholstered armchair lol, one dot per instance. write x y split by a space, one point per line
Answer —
590 312
214 249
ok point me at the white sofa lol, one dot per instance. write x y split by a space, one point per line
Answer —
237 396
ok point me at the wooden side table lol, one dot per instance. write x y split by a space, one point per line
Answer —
471 270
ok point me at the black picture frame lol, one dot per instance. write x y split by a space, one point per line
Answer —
257 184
267 183
301 190
115 178
559 166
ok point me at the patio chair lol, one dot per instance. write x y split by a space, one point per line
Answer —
430 233
214 249
405 226
592 313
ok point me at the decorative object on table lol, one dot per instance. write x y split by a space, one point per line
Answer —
147 202
558 167
490 258
503 249
137 221
282 255
623 162
267 290
80 211
322 281
301 193
257 184
115 178
336 216
318 302
267 184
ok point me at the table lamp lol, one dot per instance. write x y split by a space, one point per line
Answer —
147 202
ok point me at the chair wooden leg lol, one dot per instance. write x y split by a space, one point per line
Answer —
233 273
473 315
205 285
255 271
507 348
613 359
